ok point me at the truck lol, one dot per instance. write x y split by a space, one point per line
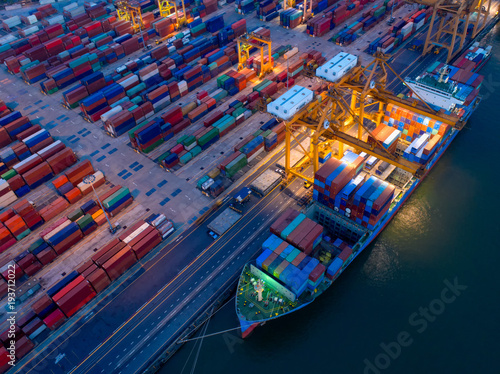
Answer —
240 198
416 45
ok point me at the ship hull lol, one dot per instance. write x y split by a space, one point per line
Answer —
248 326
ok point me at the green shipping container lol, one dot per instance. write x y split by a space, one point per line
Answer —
4 47
153 146
124 191
292 226
221 80
239 104
208 136
292 255
27 66
189 140
135 90
181 139
84 221
37 243
185 158
163 156
23 234
220 95
198 28
11 173
236 165
266 133
257 133
195 151
238 112
202 180
137 100
73 216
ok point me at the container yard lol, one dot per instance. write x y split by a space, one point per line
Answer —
118 133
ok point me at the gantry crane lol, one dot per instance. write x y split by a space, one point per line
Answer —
451 14
326 118
167 8
252 40
130 11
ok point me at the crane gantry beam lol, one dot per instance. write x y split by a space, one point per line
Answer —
450 15
252 40
325 118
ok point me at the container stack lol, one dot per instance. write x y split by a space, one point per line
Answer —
298 230
290 265
291 18
412 125
117 199
385 135
244 6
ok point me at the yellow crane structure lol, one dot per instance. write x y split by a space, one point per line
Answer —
252 40
327 117
452 15
167 8
130 11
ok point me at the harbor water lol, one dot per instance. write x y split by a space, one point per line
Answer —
423 298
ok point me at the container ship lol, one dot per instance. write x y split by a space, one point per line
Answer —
354 198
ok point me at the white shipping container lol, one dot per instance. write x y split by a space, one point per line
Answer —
13 21
7 199
252 157
107 115
56 19
24 61
149 75
57 229
24 162
337 67
4 185
70 6
419 24
392 137
162 101
30 30
129 81
31 19
291 53
288 104
43 2
134 234
48 148
8 39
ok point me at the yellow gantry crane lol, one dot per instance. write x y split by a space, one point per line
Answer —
130 11
248 41
454 15
167 8
327 118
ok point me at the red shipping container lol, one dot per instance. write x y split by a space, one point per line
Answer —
119 263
